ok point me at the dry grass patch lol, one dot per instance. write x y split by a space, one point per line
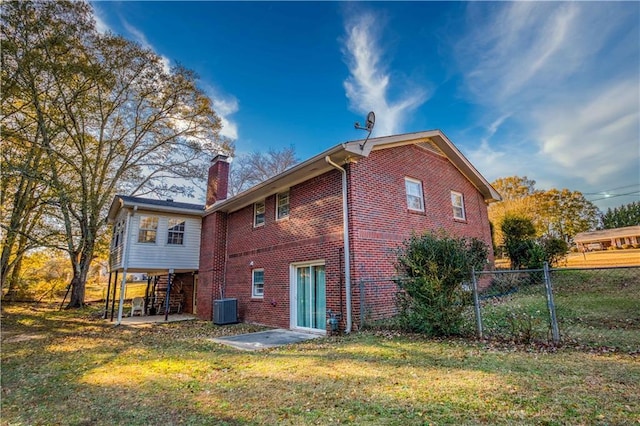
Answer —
87 371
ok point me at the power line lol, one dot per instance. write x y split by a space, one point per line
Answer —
612 189
616 195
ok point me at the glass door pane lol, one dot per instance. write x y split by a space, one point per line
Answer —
311 297
303 282
319 315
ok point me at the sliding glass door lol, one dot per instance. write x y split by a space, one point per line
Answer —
310 297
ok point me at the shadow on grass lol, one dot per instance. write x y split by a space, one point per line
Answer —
86 371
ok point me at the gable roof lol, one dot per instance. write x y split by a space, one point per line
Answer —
352 151
606 234
166 206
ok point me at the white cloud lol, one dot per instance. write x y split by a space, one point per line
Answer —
101 24
368 84
566 77
224 108
141 38
597 138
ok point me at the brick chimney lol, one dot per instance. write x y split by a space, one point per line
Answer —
218 181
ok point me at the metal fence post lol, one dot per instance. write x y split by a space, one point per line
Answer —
476 302
552 307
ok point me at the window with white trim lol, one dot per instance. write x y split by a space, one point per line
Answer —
257 283
118 234
176 232
148 229
415 199
457 202
258 213
282 205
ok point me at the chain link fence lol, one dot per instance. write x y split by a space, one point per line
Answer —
594 307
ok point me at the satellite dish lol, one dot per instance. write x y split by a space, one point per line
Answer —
371 121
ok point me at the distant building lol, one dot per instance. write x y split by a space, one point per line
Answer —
602 240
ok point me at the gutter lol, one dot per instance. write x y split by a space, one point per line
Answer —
347 253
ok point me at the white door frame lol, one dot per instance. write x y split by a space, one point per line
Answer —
293 295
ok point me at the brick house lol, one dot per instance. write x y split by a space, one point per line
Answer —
279 248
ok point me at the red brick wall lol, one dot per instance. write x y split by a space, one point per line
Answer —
313 231
380 220
218 180
212 263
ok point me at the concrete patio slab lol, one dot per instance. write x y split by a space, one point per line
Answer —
153 319
265 339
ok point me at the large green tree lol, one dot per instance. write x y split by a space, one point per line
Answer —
104 115
624 215
554 213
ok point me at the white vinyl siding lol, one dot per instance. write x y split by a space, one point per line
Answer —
162 256
257 283
457 202
415 199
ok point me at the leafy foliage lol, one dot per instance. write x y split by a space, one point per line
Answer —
554 213
518 234
90 115
619 217
524 250
432 271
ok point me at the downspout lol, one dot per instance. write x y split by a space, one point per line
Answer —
347 252
125 263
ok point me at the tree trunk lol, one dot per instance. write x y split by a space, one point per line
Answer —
77 292
78 283
13 278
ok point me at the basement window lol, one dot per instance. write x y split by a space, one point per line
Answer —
257 283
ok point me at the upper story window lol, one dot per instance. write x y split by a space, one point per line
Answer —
457 201
282 205
415 199
148 229
176 231
257 283
258 213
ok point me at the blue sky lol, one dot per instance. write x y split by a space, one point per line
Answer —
547 90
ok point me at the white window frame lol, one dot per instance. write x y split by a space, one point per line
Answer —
257 287
142 232
173 222
458 207
281 213
413 189
257 214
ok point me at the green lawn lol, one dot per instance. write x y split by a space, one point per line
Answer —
73 368
595 308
